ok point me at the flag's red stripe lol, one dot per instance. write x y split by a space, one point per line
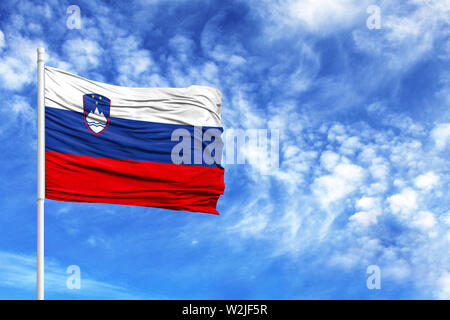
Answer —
78 178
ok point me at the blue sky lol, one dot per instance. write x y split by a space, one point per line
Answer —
364 123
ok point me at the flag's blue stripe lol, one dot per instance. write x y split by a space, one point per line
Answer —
67 132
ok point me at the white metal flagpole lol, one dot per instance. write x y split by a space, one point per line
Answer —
40 174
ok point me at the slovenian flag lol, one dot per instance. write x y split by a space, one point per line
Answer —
112 144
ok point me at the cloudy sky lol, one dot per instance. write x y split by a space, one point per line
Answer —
364 125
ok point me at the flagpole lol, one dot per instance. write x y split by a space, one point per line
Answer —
40 174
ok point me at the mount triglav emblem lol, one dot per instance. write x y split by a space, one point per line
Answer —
96 110
96 121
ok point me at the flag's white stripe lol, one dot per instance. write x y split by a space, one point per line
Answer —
195 105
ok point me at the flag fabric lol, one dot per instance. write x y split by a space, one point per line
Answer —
112 144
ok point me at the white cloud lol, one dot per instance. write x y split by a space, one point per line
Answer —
2 40
329 160
364 218
444 287
426 181
396 120
337 133
251 225
379 167
404 203
323 15
20 107
367 203
19 115
370 209
18 62
350 146
446 218
19 271
183 48
398 269
424 220
367 154
346 178
441 135
408 34
84 54
95 241
132 62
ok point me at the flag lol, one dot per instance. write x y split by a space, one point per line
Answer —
155 147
